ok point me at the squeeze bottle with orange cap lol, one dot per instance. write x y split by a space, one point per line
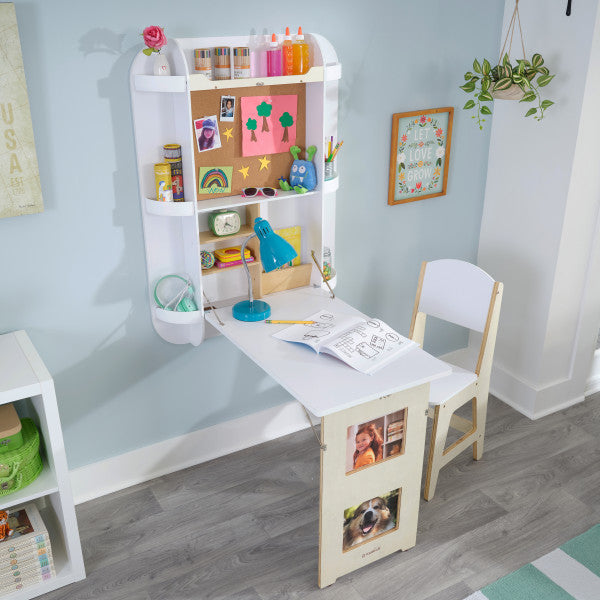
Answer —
287 54
300 54
274 58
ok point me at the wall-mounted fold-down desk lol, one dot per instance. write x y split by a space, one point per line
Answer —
395 398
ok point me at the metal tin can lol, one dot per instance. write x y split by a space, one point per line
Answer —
241 63
162 179
203 61
172 154
222 60
176 178
172 150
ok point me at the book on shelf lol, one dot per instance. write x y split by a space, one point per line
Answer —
293 235
366 345
395 431
42 570
26 556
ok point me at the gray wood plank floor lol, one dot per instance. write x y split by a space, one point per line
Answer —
245 526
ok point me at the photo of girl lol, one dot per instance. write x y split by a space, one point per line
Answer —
207 133
369 446
376 440
227 108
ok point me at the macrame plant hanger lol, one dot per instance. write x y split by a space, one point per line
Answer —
514 92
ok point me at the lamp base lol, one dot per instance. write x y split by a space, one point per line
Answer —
256 310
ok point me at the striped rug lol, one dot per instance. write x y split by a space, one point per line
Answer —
572 572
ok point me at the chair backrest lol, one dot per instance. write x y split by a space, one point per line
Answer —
456 291
461 293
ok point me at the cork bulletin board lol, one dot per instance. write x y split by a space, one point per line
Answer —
227 162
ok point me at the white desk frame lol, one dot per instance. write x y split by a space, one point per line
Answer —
342 397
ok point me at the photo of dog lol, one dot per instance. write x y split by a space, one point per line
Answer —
370 519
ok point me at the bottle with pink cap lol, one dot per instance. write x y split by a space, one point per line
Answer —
274 58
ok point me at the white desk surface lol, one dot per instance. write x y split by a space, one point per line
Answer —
323 384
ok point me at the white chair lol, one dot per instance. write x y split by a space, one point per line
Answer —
461 293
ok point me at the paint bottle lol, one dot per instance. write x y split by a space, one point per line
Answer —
300 53
258 56
274 58
287 54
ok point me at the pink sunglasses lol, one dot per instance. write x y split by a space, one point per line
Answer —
250 192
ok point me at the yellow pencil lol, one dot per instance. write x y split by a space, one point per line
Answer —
273 321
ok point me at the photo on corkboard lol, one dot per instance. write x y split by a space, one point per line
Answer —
376 440
371 519
207 133
227 108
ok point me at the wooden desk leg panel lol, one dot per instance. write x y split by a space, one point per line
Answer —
340 491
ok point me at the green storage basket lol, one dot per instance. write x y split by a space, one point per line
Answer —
20 467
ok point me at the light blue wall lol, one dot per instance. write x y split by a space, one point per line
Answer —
74 275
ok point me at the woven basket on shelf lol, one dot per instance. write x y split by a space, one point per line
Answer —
20 467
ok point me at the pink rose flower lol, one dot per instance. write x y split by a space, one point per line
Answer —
154 37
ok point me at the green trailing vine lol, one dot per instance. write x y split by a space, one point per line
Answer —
484 80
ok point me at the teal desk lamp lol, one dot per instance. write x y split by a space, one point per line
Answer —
274 252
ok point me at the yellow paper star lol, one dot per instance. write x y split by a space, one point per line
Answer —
228 133
244 171
264 163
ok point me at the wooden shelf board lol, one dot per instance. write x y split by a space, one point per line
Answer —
208 237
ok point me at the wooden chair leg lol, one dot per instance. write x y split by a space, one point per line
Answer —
480 403
439 433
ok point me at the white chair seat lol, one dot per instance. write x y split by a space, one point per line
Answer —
447 387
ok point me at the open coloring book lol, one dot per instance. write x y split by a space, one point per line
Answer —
364 344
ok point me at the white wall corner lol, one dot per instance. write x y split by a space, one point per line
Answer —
539 232
143 464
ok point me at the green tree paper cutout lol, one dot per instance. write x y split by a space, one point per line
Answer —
286 121
251 125
264 111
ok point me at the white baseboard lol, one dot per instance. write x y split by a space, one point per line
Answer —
593 383
519 394
140 465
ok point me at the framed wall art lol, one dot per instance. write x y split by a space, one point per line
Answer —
419 155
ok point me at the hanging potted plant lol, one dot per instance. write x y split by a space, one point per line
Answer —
505 81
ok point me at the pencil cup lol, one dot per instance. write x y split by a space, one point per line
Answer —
330 172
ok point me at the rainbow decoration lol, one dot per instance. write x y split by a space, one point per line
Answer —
214 180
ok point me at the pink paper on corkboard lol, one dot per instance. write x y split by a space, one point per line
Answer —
268 124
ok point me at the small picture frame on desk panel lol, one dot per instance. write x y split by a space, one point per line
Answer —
370 519
419 154
374 441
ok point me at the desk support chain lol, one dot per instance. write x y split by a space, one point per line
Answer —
321 444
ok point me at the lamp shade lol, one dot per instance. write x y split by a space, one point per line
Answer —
274 250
